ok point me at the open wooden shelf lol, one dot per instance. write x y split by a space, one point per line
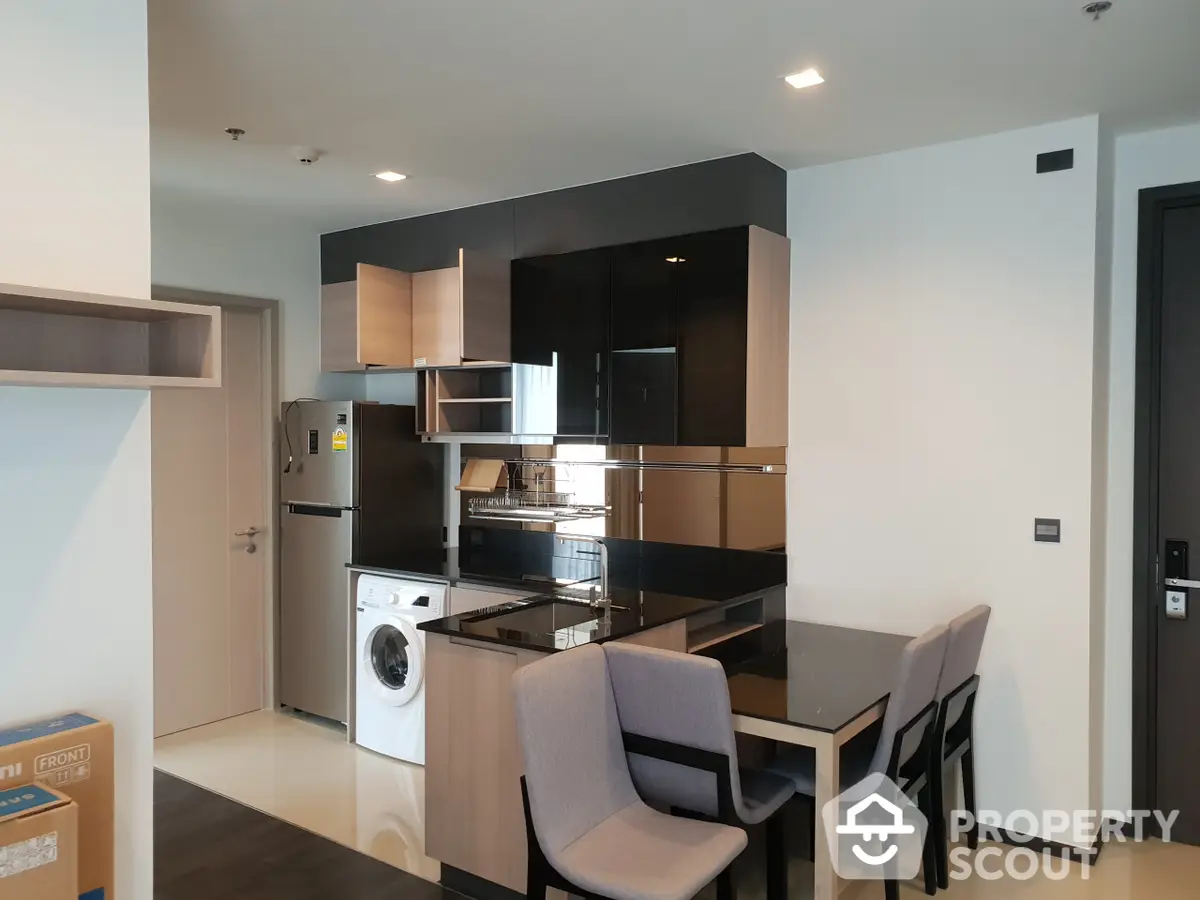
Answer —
718 633
461 400
51 337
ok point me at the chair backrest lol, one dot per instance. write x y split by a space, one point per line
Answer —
915 688
679 698
575 769
962 653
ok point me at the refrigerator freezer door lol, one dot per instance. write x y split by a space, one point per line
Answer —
313 609
320 441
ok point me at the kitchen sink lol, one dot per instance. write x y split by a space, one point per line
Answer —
540 617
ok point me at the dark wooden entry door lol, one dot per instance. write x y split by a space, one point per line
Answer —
1175 609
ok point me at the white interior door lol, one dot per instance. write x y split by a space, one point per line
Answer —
209 458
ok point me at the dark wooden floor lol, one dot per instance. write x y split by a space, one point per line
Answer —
207 847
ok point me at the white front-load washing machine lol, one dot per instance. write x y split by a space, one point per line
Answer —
389 689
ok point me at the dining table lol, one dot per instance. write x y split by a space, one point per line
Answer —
811 685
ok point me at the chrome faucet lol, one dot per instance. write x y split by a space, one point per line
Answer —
599 542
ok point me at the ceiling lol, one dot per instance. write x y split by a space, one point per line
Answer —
479 100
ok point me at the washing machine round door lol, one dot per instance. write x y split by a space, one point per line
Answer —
393 654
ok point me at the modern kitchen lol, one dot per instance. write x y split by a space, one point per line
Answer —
579 445
596 451
631 451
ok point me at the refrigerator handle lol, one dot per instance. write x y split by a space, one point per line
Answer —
327 510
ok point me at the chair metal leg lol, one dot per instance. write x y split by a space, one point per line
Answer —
777 861
937 820
535 886
968 775
891 890
725 888
928 854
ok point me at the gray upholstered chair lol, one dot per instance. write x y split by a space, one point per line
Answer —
906 736
684 699
589 832
954 736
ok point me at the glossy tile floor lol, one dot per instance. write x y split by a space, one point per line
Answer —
302 771
207 846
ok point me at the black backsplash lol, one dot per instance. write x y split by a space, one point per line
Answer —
669 568
720 193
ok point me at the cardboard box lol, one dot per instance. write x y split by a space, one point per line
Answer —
38 844
72 754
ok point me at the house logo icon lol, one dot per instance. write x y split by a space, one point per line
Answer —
882 831
874 831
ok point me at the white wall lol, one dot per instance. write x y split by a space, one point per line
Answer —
942 390
215 246
75 579
1149 159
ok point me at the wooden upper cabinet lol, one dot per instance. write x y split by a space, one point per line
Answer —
462 314
368 321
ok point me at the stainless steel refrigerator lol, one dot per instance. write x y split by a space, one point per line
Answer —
356 485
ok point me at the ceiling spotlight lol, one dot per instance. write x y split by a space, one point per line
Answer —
1097 8
807 78
675 259
389 175
235 133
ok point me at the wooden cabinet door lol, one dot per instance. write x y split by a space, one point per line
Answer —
436 318
485 292
339 327
384 317
367 322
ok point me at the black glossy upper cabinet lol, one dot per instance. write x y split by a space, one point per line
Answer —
690 334
560 316
719 301
645 296
645 398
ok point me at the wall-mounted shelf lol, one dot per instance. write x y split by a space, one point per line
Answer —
465 400
57 338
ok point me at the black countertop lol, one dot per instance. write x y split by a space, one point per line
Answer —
820 677
565 618
497 569
535 560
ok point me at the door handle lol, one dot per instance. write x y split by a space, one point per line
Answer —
1181 583
249 532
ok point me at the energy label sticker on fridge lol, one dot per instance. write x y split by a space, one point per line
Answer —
340 439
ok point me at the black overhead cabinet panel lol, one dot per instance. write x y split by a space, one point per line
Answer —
644 397
711 281
645 295
560 311
651 338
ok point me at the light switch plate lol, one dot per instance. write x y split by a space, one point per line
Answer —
1047 531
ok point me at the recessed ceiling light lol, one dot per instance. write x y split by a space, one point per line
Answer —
807 78
390 176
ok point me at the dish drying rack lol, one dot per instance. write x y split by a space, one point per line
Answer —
538 505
